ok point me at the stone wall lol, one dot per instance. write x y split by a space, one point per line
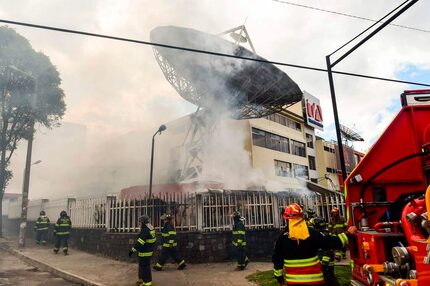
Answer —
195 247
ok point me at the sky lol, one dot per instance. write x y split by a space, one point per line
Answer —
115 88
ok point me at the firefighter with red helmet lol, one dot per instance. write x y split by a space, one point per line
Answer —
295 257
336 225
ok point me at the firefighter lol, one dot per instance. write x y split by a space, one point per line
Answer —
239 240
337 224
41 228
310 214
295 256
62 232
169 244
326 256
144 247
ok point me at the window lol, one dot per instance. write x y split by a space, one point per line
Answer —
331 170
285 121
298 148
328 149
283 169
270 140
258 137
273 141
309 141
312 164
301 171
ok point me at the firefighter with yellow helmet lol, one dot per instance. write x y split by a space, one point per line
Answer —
295 257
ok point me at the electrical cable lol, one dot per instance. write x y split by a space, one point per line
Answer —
201 51
348 15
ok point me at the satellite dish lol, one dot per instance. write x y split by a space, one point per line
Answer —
350 134
246 88
238 37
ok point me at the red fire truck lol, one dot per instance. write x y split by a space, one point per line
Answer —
388 199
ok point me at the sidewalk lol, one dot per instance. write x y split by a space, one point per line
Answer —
87 269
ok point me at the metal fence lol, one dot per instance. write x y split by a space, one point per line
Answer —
206 212
209 211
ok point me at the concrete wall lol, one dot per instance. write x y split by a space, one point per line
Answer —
195 247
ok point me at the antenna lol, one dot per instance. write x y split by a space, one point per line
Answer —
349 134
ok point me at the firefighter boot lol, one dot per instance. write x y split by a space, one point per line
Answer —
246 261
182 265
55 250
157 267
65 251
139 282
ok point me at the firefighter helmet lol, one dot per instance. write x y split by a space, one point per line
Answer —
166 217
42 212
335 210
144 219
319 223
63 213
310 212
293 211
235 214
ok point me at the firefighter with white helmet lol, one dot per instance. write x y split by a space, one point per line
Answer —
169 244
295 257
144 247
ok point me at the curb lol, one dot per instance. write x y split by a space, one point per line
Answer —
47 268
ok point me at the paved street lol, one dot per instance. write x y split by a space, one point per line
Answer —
15 272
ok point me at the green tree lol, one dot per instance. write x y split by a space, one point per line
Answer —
30 94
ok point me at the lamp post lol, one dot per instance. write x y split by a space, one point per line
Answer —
25 189
160 129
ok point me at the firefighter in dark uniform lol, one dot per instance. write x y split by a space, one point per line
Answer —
239 240
144 247
295 257
169 244
326 256
62 232
310 214
41 228
336 225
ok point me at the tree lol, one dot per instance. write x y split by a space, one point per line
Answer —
30 94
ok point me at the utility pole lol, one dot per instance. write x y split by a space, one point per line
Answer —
25 188
330 65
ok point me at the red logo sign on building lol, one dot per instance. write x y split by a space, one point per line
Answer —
312 111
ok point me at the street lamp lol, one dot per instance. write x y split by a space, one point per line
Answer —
160 129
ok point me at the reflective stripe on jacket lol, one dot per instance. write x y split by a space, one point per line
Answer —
145 241
42 223
298 260
337 225
63 226
168 235
239 234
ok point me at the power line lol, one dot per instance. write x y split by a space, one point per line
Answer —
347 15
202 51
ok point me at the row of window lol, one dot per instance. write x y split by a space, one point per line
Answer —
285 121
291 170
328 149
278 143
